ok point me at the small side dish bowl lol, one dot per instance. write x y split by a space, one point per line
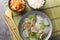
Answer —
16 5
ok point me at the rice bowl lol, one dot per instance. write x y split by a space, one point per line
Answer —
36 4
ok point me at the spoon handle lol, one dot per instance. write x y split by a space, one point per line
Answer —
16 28
14 24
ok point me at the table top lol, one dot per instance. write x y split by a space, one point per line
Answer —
51 9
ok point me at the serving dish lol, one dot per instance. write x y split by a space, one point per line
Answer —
43 3
20 8
33 13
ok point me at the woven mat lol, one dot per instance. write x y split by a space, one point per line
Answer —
51 8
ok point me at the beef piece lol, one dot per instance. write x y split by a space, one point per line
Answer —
27 26
33 21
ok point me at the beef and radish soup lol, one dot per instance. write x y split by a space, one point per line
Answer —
35 27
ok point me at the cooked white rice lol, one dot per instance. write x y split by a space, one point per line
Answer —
36 4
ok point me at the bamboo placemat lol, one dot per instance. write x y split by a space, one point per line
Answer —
51 8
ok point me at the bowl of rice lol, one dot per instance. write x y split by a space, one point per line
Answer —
35 4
